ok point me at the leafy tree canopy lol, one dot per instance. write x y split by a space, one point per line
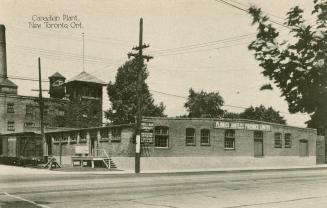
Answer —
297 66
231 115
262 114
123 96
203 104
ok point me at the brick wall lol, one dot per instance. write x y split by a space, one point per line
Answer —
244 140
57 113
52 116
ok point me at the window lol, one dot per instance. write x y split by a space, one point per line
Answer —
161 137
56 139
229 142
288 140
205 137
29 109
64 138
73 137
57 83
10 126
278 140
29 124
82 136
10 108
116 135
61 112
190 136
104 133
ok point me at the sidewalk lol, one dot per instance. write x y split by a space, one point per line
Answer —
244 169
14 170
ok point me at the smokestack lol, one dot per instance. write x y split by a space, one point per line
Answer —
6 86
3 55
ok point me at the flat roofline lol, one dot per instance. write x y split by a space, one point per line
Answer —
66 130
227 119
21 133
89 128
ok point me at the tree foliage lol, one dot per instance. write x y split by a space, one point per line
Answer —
297 66
203 104
123 96
262 113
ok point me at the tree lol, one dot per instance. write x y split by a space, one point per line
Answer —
123 96
203 104
231 115
257 113
296 66
262 114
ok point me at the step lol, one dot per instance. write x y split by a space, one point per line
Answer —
109 163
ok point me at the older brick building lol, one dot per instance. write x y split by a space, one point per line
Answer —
75 103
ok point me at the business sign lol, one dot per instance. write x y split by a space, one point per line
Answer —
147 132
240 125
82 149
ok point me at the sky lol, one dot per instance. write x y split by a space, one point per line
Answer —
199 44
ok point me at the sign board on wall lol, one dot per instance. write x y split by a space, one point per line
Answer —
147 132
240 125
81 149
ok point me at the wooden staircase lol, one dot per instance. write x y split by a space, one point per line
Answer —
108 162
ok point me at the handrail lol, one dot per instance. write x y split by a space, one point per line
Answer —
103 152
107 156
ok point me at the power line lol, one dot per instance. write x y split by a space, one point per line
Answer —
160 92
204 44
244 10
108 66
247 5
201 50
25 78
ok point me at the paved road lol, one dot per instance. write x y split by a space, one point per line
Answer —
277 189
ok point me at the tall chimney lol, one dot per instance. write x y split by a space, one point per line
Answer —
3 55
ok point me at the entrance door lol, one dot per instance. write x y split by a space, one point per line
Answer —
304 148
92 147
49 144
258 148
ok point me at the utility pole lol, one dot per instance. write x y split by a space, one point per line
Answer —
140 61
41 111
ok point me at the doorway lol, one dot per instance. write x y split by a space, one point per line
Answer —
49 144
304 148
92 147
258 144
258 148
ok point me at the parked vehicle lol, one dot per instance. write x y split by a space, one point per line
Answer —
21 149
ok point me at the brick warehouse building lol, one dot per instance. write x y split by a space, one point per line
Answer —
190 143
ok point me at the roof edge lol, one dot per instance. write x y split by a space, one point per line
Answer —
227 119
